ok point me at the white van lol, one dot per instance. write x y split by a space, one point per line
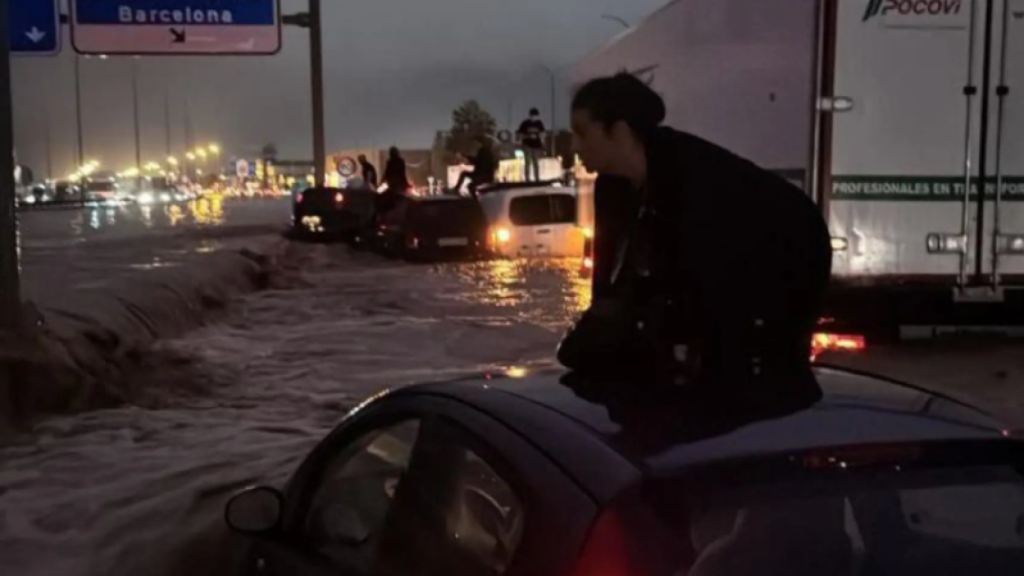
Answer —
533 220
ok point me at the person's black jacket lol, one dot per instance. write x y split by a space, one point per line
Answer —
743 256
395 175
369 174
484 165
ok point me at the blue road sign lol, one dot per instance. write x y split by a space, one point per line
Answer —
151 27
176 12
35 27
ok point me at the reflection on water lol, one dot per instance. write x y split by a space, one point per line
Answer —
147 216
549 292
174 214
208 211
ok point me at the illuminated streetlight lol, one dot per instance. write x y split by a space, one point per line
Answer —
201 153
214 149
172 161
190 156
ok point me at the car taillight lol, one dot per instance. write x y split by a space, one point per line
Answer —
605 552
339 198
828 342
299 197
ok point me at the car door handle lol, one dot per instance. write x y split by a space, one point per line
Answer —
544 231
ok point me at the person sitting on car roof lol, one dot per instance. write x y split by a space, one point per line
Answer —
485 164
369 172
706 266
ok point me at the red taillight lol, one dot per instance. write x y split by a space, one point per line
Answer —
605 552
298 197
827 342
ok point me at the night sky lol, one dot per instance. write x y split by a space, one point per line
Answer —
394 71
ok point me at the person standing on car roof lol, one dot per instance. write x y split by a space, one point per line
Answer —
707 267
395 172
369 172
396 182
531 135
485 165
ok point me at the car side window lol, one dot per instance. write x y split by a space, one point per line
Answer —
355 494
457 516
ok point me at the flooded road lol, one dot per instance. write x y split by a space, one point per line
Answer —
91 247
139 489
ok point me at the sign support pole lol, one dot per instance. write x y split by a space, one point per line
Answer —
10 267
316 61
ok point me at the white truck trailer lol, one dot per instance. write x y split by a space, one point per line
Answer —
886 112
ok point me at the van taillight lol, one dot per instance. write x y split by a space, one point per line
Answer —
605 552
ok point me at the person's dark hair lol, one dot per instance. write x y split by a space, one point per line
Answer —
621 98
534 112
393 153
362 158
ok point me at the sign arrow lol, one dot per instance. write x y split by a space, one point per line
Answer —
179 36
35 35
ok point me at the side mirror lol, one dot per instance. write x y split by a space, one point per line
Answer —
255 510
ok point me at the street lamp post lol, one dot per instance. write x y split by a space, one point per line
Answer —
138 134
78 109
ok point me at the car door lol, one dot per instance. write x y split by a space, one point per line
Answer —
339 500
428 486
566 237
530 216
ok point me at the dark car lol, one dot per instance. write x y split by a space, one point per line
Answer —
545 475
323 212
433 228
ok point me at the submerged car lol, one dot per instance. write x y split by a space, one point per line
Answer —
533 220
433 228
321 211
549 475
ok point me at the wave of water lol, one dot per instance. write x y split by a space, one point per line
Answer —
139 488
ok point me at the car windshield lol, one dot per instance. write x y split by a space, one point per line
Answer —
895 522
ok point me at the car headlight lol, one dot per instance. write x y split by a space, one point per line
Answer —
502 235
145 198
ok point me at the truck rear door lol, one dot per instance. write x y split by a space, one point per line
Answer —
1005 193
905 134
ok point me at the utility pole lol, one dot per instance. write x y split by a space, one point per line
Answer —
10 267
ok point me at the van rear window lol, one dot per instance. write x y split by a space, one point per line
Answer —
543 209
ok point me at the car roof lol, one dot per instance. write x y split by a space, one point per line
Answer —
856 409
506 186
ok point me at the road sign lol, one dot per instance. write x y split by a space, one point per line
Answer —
35 27
176 27
242 168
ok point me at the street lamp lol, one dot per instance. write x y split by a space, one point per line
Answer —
214 149
615 19
190 156
201 153
172 161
